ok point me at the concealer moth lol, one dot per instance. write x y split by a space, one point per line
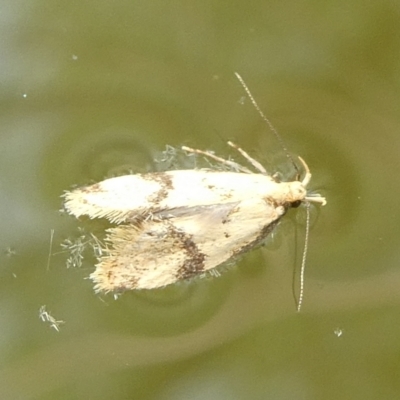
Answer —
176 225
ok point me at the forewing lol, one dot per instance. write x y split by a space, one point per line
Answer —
114 198
125 198
182 244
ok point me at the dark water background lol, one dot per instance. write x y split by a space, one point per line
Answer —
95 88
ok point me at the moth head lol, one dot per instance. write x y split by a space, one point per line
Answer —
297 192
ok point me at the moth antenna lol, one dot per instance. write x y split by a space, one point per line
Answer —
304 259
50 249
268 122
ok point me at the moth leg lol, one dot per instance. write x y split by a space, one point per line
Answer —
251 160
316 198
229 163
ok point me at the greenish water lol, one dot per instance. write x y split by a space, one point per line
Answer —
91 89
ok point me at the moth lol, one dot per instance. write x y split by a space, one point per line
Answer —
179 224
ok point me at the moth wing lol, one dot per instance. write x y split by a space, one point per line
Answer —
127 197
184 244
245 225
114 198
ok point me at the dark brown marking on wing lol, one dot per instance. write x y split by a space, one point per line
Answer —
194 261
154 200
166 186
95 188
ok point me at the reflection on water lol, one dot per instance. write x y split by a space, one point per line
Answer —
90 92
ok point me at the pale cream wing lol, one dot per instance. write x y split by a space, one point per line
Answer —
126 197
223 236
114 198
186 243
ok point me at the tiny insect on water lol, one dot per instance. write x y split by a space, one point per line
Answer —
176 225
